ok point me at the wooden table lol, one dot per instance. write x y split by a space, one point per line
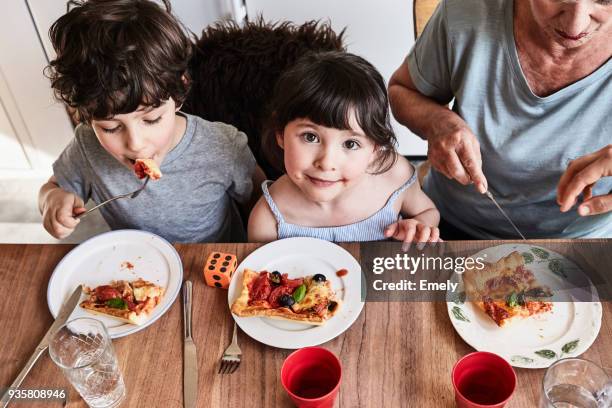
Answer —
395 355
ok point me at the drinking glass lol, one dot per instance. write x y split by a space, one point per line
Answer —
311 376
83 350
482 379
576 383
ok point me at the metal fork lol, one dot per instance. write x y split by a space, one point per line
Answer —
231 357
133 194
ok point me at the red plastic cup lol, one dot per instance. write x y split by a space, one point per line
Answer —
311 376
483 380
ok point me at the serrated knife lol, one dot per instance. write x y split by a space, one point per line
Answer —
62 316
190 360
501 210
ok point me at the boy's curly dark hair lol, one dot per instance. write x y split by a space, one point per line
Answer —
114 55
235 69
327 88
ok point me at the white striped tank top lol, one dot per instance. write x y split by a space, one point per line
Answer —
369 229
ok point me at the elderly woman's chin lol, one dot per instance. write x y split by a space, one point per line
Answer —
571 41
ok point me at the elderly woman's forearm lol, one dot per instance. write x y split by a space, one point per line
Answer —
416 111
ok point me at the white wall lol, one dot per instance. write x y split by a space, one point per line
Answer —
31 118
379 30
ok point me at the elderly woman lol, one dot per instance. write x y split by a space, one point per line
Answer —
531 86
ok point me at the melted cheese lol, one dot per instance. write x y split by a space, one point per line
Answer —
315 294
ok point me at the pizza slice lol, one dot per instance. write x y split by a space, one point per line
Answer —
308 300
147 167
131 302
506 290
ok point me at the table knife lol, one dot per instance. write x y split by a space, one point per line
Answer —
190 361
61 318
488 194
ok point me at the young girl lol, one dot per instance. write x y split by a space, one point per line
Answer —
343 181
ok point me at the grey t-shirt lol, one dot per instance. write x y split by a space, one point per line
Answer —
467 52
209 169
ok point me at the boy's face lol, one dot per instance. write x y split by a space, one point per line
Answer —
324 162
147 133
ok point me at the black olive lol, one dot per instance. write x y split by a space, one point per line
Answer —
319 277
332 306
275 277
286 300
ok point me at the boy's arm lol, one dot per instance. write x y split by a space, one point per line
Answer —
262 224
45 189
58 207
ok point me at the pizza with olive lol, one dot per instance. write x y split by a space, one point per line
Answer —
131 302
506 290
147 167
308 300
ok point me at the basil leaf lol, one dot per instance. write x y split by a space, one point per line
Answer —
299 293
116 303
512 300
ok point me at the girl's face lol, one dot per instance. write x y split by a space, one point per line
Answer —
325 162
572 23
147 133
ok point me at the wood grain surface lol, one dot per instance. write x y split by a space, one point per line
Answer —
396 354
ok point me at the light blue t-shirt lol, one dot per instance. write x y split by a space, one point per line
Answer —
204 176
467 52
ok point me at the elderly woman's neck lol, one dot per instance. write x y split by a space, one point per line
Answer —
548 65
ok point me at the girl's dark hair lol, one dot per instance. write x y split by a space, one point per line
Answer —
114 55
325 88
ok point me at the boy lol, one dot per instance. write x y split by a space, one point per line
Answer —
122 66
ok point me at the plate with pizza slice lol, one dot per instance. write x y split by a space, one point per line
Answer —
528 304
130 279
296 292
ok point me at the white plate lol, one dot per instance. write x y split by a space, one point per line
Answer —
299 257
567 331
104 258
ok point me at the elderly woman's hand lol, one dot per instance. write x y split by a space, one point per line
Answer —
454 151
580 177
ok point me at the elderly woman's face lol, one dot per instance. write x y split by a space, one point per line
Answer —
572 23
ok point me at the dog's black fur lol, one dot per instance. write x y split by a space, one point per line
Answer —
234 70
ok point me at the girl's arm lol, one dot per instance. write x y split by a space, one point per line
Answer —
420 219
418 206
262 224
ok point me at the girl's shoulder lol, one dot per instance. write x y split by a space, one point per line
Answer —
399 174
283 191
